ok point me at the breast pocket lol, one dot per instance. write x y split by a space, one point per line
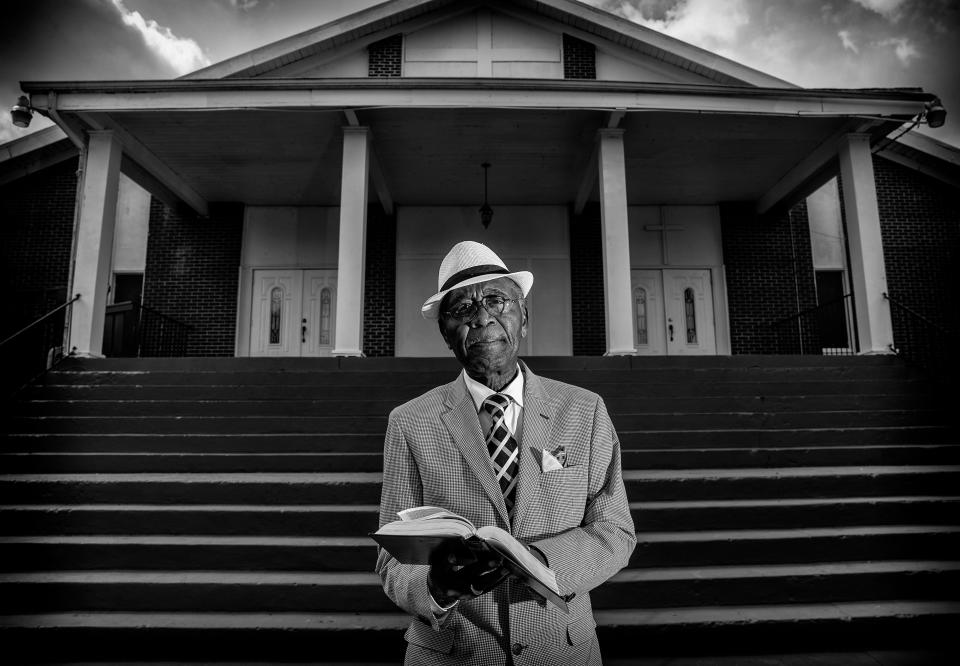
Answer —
563 497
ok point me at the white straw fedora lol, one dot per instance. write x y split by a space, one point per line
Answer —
469 262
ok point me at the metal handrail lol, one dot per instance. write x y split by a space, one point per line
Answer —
911 311
165 316
802 313
40 319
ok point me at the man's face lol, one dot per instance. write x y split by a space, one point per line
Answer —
486 344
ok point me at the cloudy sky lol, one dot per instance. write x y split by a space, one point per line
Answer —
812 43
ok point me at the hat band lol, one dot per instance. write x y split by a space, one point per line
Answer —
473 271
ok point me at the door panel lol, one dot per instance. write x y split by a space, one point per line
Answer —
318 321
648 313
293 312
688 300
274 314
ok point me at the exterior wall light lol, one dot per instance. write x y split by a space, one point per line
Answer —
935 114
486 212
21 113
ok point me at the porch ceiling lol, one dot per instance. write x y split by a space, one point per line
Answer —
432 156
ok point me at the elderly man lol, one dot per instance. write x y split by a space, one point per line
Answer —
501 446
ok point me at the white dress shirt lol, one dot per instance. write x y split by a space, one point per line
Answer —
514 410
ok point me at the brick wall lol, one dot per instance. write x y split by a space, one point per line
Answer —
579 59
384 57
586 288
192 271
920 227
769 270
36 232
379 297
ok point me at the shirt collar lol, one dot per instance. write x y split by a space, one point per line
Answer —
480 392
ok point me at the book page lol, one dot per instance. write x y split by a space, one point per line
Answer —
431 513
454 526
507 545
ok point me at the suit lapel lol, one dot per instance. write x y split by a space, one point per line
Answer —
536 436
461 420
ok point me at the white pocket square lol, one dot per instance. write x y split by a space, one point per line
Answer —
548 463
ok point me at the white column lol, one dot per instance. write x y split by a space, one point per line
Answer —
94 244
868 272
616 243
353 241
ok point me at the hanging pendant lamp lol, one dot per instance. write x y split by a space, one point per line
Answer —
486 212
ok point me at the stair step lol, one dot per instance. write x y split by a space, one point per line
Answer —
207 637
259 488
248 424
160 443
173 519
352 442
642 388
779 584
364 487
779 513
792 456
358 520
796 545
243 591
743 483
343 553
161 552
227 364
768 437
103 462
263 636
201 591
617 405
433 377
40 462
798 627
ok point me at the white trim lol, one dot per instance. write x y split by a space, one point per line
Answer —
615 241
867 269
351 253
508 95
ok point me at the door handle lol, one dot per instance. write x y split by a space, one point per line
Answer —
303 331
670 329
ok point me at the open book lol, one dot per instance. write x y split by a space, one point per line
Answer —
422 529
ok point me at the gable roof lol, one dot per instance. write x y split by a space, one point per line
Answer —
926 155
579 17
34 152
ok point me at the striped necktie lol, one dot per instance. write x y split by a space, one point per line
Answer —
503 448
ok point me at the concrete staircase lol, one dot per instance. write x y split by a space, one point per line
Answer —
216 509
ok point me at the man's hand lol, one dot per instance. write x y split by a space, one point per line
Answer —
464 570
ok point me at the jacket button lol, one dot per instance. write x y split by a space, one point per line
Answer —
517 648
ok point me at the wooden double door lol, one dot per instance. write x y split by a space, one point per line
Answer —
673 312
293 312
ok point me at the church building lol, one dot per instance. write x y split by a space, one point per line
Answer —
296 200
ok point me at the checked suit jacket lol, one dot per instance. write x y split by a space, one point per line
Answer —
577 516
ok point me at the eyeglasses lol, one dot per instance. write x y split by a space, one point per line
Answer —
467 310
